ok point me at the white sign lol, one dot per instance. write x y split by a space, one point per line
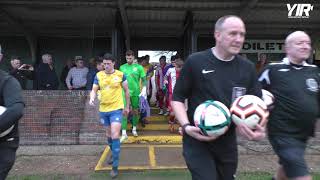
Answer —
263 46
302 10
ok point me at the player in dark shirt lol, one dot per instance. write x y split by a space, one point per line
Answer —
295 86
214 74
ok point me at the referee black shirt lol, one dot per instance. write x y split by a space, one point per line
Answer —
204 77
296 92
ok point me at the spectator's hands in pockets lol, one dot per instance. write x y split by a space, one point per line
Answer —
257 134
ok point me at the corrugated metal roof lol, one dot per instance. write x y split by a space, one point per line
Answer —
147 18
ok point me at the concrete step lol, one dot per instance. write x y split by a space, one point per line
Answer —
154 133
157 118
145 157
154 110
153 127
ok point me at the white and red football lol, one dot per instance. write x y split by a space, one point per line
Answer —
249 110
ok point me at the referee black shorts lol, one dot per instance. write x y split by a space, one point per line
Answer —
291 155
216 160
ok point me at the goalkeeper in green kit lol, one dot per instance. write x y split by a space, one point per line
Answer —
135 75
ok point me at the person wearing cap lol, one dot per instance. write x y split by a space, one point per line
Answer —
77 75
13 105
135 74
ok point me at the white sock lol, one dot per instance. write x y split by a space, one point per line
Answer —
134 128
124 132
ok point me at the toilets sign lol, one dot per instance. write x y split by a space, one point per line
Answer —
263 46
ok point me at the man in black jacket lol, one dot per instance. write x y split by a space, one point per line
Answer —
47 78
22 72
11 100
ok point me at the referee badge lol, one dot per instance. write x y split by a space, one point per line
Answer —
312 85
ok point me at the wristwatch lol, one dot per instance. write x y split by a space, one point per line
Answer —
183 127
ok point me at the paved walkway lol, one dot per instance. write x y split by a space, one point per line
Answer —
155 148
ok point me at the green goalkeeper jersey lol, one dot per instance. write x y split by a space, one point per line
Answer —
134 74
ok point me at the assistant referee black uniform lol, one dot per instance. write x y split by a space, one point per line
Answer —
296 107
204 77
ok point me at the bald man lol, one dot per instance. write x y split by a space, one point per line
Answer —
215 74
295 86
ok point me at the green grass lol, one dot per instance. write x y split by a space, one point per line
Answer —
143 175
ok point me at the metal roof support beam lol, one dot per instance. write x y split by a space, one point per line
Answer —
125 23
31 38
188 22
189 35
194 42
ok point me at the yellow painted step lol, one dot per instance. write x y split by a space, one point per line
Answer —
150 163
173 139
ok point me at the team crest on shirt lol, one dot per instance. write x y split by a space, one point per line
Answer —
135 69
312 85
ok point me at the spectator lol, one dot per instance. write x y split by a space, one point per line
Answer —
95 66
262 61
22 73
69 64
78 75
46 75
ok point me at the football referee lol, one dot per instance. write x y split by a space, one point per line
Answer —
215 74
295 86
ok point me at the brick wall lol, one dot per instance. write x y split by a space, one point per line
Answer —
65 117
59 117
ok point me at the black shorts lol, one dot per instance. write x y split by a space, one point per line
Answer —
7 156
216 160
291 155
